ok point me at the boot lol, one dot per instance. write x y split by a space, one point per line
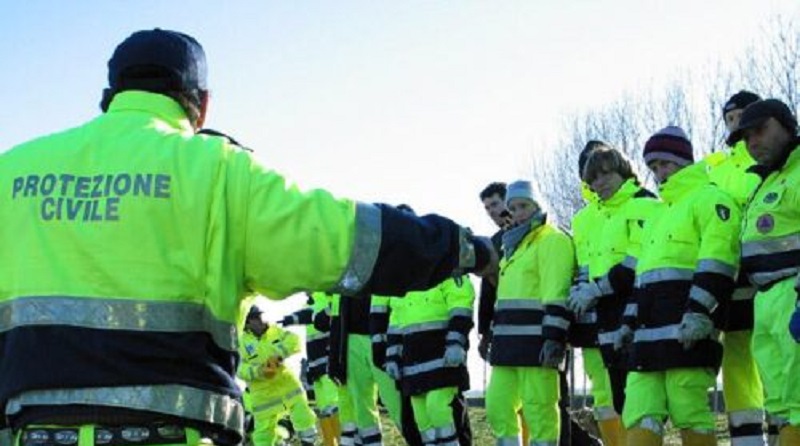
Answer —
643 437
330 430
611 432
789 436
694 438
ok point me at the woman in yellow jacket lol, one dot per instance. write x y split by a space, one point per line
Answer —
530 323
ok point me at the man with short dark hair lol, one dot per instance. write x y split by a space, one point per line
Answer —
770 244
130 242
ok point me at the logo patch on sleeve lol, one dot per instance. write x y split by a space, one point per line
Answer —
723 212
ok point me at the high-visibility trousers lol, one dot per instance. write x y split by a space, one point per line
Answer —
267 414
776 352
536 391
433 413
326 396
678 394
601 384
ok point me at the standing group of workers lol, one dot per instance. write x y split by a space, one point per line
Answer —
132 242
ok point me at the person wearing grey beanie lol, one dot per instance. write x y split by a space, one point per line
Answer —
530 322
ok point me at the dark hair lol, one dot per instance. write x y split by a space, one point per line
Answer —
606 159
496 188
406 208
587 150
158 80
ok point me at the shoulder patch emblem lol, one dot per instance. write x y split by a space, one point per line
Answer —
765 223
723 212
771 197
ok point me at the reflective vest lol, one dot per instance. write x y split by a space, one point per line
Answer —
427 322
688 262
267 393
531 297
771 229
130 234
615 240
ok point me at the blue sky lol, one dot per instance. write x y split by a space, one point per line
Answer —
422 102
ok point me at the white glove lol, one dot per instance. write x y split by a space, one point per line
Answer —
583 297
622 337
553 354
393 370
694 327
454 355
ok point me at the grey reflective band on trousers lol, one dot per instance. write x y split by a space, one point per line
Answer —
424 326
663 275
519 304
778 245
170 399
667 332
607 337
716 266
378 338
460 312
365 250
117 314
766 278
517 330
379 309
423 367
277 401
555 321
703 297
631 310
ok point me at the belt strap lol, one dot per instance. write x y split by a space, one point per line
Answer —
90 435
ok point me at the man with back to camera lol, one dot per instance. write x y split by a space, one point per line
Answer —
131 241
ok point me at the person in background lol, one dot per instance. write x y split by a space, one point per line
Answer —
317 346
274 390
606 247
729 169
530 323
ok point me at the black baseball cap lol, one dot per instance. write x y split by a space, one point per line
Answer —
758 113
175 53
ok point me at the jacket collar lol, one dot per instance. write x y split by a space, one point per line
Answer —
625 192
164 107
683 182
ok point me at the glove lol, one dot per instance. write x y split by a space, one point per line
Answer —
694 327
454 355
393 370
583 297
270 368
794 324
622 337
552 354
485 346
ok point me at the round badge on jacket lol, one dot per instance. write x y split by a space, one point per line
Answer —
765 223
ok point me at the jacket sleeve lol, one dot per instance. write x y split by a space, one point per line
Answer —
459 295
717 220
300 317
556 270
286 344
298 240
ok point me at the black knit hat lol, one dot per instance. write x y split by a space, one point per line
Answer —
669 144
759 112
178 55
740 101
